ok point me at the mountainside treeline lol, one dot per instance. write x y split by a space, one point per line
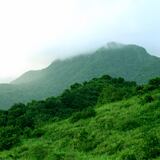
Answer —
129 61
21 118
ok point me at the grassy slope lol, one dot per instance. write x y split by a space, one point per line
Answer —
120 130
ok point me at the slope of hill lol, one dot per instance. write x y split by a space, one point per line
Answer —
129 61
125 127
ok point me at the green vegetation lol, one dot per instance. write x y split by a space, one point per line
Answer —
129 61
102 119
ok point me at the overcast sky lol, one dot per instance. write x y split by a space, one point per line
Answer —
35 32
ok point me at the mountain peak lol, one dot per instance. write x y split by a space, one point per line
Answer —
114 45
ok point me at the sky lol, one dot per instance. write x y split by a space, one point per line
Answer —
33 33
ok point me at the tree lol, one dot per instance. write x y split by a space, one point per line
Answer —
9 136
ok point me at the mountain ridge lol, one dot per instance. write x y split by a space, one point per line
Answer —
109 46
132 62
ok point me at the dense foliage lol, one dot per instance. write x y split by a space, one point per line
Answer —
104 118
79 98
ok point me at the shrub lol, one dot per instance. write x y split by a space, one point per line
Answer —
114 147
129 124
38 133
87 113
62 156
9 136
39 152
128 156
113 93
140 90
155 82
154 105
152 146
27 132
83 141
146 99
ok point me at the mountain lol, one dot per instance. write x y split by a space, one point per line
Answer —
129 61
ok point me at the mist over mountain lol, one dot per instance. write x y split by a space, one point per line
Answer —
131 62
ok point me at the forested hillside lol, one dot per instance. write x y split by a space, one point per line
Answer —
104 118
129 61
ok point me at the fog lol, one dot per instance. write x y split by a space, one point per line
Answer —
33 33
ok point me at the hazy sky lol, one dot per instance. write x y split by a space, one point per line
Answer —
35 32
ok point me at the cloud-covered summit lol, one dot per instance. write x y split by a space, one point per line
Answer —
35 32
